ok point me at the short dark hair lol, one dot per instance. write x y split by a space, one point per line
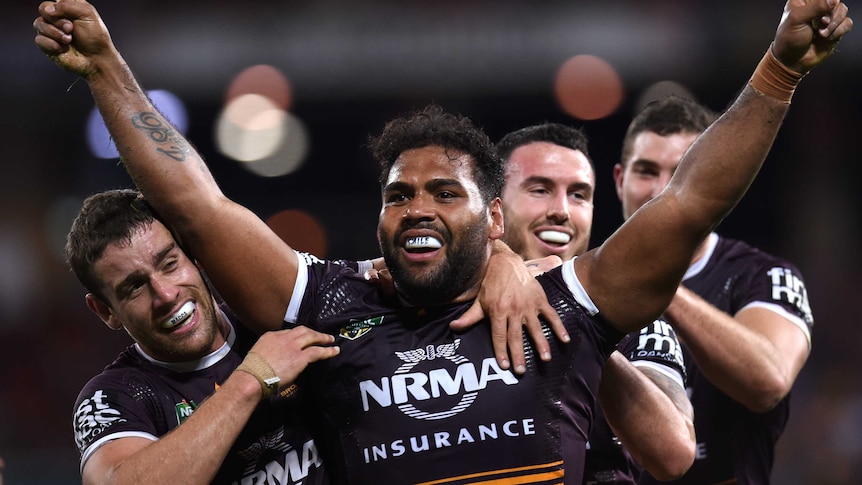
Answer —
556 133
105 218
432 126
668 116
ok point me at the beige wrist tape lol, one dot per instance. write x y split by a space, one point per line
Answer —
774 79
258 367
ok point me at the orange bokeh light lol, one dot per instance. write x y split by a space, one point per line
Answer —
588 88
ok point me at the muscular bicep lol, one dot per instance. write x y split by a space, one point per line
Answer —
100 467
633 275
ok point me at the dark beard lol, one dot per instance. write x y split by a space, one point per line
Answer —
457 273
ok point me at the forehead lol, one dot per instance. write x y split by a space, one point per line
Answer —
549 160
664 150
122 258
418 165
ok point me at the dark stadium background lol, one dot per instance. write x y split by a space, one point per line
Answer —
352 66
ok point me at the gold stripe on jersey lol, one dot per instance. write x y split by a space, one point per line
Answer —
550 473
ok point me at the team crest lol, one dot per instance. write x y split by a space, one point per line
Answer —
354 330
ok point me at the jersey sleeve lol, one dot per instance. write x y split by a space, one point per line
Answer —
778 286
656 346
108 408
315 277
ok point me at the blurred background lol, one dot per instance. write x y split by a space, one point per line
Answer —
280 98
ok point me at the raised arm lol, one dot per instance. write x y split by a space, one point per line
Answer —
253 269
634 274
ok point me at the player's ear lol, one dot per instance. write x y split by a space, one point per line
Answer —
618 179
496 219
104 311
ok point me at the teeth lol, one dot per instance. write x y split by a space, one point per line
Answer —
423 242
555 237
184 312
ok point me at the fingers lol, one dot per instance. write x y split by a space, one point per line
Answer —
515 339
289 352
382 279
305 337
838 24
53 28
371 275
537 336
833 24
809 32
499 341
317 353
68 9
52 36
57 15
556 323
828 17
472 316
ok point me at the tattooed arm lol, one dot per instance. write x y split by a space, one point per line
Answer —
253 269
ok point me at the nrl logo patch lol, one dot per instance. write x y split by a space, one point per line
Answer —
354 330
184 410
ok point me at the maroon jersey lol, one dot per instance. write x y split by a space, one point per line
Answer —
136 396
408 400
655 346
736 445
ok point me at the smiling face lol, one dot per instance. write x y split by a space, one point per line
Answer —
435 229
156 293
646 171
548 201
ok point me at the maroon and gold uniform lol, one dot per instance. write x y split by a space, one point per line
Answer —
410 401
736 445
136 396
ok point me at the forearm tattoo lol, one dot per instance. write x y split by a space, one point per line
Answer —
162 133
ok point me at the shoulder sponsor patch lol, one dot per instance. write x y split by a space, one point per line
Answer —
790 288
93 416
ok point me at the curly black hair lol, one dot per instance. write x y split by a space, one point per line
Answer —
432 126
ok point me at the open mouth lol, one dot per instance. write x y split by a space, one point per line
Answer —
554 237
422 244
182 315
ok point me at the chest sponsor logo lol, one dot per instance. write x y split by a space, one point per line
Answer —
354 330
433 382
291 466
94 415
788 287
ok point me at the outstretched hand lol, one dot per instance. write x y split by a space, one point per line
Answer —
809 31
513 300
290 351
72 34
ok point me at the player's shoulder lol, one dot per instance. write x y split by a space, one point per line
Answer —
729 250
333 265
126 366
